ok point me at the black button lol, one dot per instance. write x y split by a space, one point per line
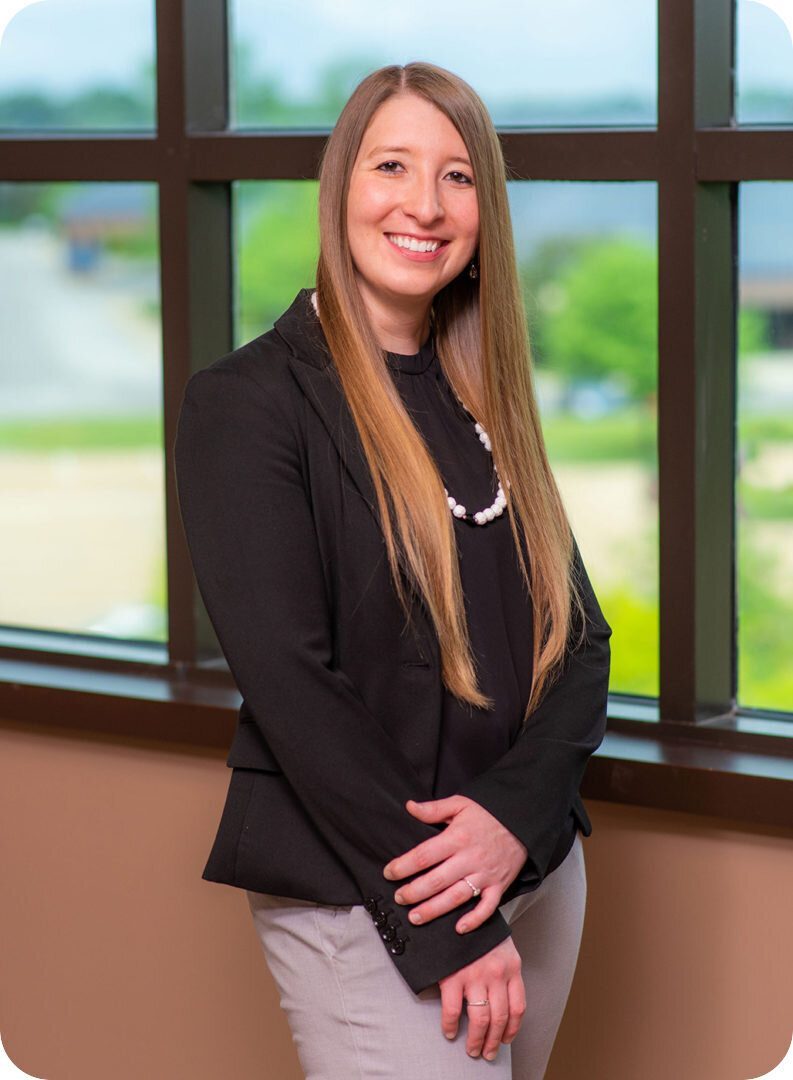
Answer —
389 933
370 903
380 919
397 947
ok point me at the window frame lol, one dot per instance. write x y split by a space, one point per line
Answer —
692 749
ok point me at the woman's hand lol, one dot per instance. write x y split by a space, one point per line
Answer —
474 845
495 977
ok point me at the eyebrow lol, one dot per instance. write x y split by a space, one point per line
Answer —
406 150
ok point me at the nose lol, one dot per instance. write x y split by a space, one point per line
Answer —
422 200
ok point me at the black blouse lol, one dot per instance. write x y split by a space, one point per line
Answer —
497 602
497 605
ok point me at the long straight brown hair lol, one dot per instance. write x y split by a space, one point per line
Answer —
481 339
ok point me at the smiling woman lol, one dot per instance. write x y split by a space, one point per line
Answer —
415 860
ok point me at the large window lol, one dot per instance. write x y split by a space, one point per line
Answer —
159 209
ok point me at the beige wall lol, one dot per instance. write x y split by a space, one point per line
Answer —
119 962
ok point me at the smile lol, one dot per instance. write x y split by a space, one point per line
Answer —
418 250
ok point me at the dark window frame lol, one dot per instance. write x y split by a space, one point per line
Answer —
690 750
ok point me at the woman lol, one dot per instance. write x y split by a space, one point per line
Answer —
424 671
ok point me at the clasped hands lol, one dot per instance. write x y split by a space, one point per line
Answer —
474 845
477 846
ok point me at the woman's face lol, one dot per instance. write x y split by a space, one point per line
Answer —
411 179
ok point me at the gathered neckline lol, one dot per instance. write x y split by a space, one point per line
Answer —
413 363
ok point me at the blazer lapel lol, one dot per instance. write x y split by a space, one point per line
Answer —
310 362
311 365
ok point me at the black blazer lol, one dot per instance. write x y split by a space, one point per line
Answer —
340 718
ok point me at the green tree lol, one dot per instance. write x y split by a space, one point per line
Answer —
598 316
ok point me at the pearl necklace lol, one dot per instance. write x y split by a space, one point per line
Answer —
496 509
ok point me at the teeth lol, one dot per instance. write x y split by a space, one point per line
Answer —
412 244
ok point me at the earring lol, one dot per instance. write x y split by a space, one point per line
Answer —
473 272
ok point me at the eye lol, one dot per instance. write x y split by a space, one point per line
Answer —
465 181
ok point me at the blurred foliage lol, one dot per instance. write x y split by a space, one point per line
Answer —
628 434
595 311
634 641
278 246
765 626
92 433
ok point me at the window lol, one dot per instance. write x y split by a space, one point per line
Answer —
651 239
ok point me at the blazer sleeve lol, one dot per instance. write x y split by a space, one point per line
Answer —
532 787
251 536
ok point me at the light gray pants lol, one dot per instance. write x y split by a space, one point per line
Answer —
353 1016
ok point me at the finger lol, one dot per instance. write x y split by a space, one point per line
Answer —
440 904
435 809
451 1007
446 875
499 1015
516 994
488 903
478 1018
421 857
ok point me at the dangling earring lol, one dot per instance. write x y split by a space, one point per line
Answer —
473 272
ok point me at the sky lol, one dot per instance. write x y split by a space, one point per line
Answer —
564 48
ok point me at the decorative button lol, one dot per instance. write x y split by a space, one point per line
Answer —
389 933
380 919
370 903
397 947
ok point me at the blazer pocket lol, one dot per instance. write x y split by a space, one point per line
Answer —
249 748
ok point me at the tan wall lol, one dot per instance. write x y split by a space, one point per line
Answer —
119 962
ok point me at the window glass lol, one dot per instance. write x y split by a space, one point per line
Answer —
565 63
77 65
82 536
764 498
764 62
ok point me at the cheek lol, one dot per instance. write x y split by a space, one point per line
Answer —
469 221
372 202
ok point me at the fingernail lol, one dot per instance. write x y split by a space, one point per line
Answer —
473 1053
415 917
490 1056
387 874
448 1034
399 898
462 927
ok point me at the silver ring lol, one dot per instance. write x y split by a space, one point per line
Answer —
485 1002
471 884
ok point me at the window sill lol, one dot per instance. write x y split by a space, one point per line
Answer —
737 767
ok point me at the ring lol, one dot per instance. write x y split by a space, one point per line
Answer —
472 886
485 1002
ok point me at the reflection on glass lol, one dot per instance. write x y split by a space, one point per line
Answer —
587 259
765 449
764 62
82 535
78 65
565 63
